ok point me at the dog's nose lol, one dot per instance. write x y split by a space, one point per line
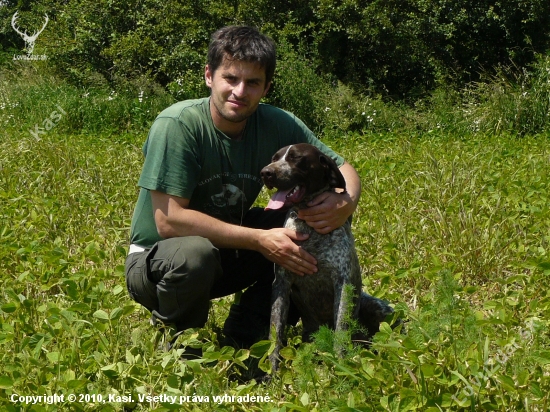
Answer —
267 172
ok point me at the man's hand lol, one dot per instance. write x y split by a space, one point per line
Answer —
328 211
278 246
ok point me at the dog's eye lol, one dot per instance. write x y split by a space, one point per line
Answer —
300 161
294 158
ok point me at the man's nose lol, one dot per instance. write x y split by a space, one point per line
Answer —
240 89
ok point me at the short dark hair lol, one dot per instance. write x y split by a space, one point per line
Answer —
242 43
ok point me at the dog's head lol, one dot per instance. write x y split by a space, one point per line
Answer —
300 172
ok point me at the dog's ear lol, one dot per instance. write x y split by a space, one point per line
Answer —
335 177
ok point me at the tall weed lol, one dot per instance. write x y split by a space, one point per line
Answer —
515 100
28 99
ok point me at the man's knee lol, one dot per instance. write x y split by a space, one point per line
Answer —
185 257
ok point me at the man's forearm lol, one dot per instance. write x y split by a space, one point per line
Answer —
353 185
173 218
187 222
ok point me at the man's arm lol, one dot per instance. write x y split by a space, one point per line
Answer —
173 218
330 210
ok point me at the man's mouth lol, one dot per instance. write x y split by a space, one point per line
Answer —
286 198
237 103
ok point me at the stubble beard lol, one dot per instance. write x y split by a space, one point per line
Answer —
230 116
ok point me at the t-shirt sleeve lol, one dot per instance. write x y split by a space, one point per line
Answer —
171 165
309 137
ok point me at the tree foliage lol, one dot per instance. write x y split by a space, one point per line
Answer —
400 49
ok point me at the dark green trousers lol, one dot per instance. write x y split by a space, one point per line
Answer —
177 277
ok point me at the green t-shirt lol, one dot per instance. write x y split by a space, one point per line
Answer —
188 157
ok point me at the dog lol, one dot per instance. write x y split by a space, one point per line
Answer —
300 172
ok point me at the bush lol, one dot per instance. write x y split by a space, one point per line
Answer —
298 88
402 49
397 49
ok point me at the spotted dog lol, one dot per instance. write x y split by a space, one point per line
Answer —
300 172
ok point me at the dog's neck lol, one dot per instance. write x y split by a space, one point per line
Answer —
303 204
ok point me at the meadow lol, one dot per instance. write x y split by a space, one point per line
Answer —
452 229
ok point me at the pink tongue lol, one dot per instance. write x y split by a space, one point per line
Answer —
278 199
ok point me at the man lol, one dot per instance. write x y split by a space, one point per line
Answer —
194 237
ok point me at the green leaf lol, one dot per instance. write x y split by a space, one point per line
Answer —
38 349
101 314
53 357
211 355
9 307
6 382
242 354
117 289
261 348
116 313
507 382
76 383
288 353
173 381
110 371
128 309
385 328
351 400
535 390
226 353
79 307
541 357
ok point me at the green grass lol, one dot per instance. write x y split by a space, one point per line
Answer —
453 231
452 228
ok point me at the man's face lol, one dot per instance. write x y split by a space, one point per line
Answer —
237 88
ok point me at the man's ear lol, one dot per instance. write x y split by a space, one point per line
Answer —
208 76
266 89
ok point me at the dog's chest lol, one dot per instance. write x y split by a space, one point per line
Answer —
333 247
335 254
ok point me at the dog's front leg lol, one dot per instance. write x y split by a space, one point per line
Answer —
280 302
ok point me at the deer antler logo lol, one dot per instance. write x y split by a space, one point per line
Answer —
29 39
